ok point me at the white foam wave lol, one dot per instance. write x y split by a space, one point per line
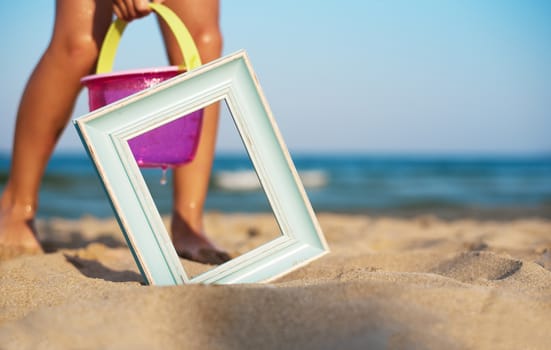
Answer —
237 180
247 180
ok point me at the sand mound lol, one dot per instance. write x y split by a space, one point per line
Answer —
388 283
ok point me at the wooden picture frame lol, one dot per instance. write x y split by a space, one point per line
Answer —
105 134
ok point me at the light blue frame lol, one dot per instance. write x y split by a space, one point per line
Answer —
105 133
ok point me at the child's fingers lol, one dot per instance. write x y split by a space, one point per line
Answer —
128 10
141 7
118 12
121 9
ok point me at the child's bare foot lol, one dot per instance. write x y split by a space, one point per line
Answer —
193 245
17 234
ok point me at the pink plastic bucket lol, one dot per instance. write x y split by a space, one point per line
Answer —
169 145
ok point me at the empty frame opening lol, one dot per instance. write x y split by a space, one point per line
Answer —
234 192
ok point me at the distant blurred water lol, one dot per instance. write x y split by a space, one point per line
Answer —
345 183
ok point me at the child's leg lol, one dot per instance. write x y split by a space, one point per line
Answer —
191 180
45 109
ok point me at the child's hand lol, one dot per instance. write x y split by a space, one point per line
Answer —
131 9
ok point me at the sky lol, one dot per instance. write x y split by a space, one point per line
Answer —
373 76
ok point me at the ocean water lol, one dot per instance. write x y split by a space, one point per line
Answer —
375 185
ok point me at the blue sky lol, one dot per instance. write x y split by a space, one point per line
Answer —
427 76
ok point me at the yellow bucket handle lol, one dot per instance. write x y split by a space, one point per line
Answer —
183 37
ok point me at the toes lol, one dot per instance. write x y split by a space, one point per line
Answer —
206 256
184 254
215 256
12 252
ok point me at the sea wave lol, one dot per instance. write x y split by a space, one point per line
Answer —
71 187
243 180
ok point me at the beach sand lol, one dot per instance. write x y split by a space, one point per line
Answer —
388 283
